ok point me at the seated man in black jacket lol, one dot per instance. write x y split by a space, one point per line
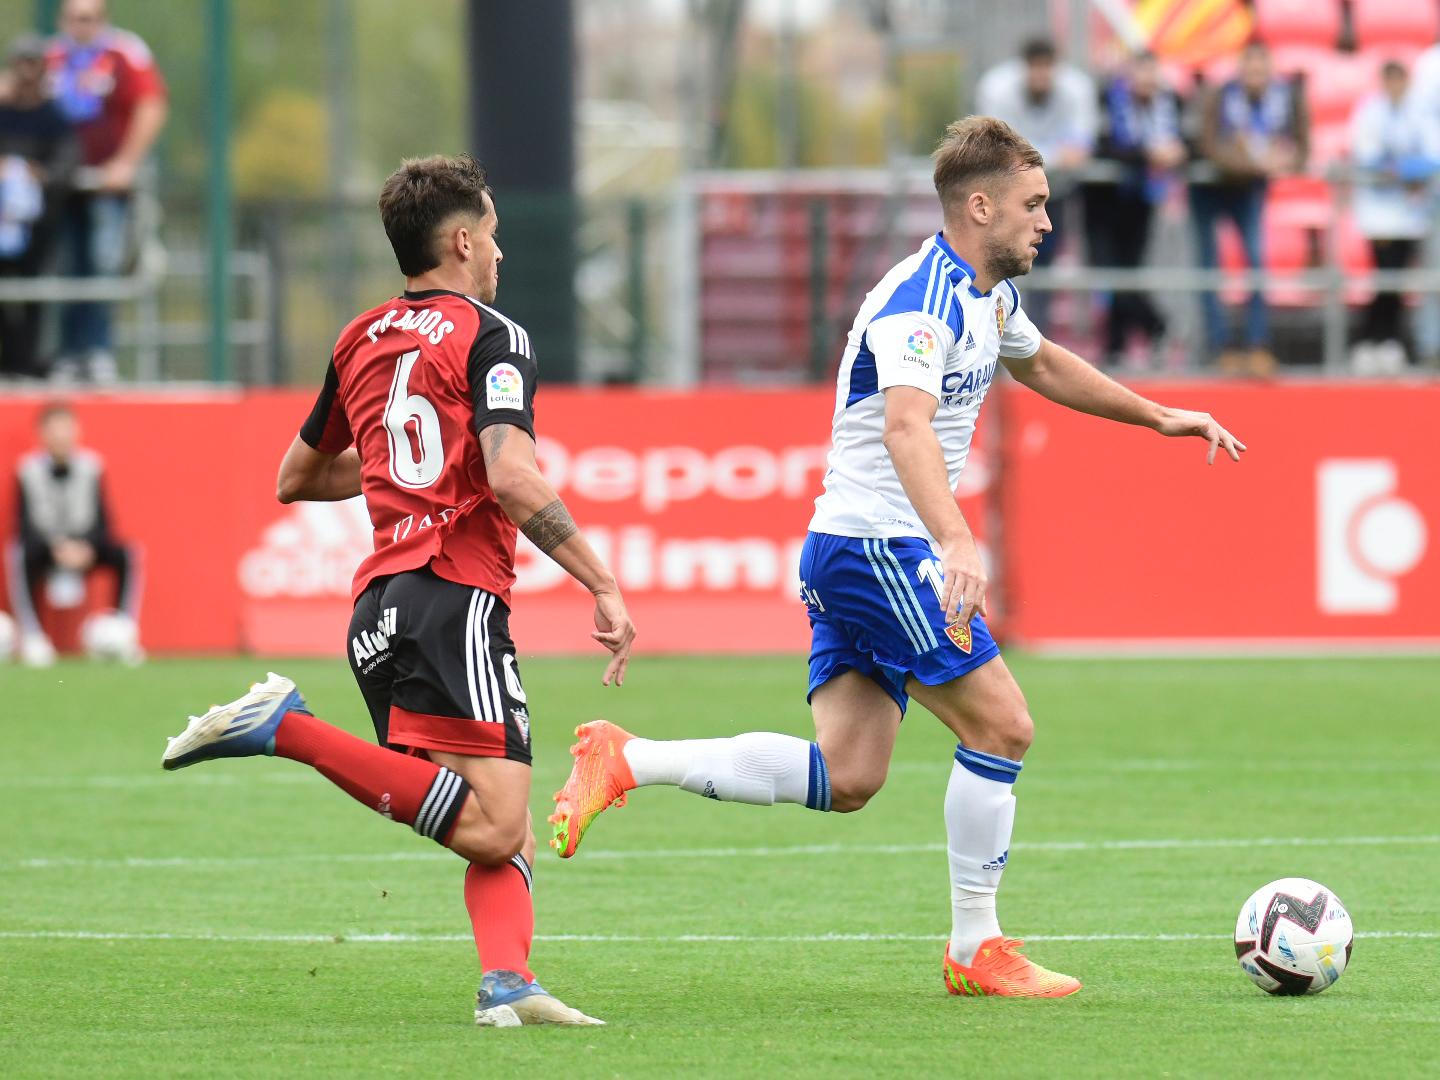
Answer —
63 535
1140 131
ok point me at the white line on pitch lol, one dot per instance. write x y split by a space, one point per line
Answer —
185 861
1068 771
617 939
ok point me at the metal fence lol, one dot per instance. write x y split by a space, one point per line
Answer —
742 277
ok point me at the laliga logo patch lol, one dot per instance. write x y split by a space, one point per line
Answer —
505 388
959 635
920 343
1000 315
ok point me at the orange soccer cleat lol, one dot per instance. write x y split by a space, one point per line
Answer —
999 969
599 779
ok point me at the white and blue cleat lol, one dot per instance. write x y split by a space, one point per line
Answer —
244 728
505 999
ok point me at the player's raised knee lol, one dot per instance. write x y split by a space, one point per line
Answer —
850 792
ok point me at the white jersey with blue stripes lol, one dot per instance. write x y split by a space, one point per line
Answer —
925 325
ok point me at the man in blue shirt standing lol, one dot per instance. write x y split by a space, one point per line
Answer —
1140 133
1253 128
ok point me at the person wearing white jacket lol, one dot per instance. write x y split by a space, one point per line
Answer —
1395 145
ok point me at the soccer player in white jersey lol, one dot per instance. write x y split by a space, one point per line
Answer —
890 572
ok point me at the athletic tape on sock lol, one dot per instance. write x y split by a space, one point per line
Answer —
818 796
990 766
441 805
520 864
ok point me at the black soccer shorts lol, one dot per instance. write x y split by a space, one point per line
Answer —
437 668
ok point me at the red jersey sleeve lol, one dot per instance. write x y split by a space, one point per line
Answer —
327 429
139 77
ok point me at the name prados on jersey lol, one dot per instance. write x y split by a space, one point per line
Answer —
429 323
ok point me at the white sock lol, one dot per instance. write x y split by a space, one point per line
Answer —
759 767
979 815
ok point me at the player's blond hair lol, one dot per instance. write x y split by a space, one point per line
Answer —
979 153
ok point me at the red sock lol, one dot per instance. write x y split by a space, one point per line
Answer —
498 900
423 795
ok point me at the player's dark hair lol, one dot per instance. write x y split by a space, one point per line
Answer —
979 153
51 410
422 195
1039 50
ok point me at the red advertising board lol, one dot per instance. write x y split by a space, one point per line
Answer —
1109 535
699 501
1324 534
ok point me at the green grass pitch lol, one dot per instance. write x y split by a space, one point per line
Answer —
244 918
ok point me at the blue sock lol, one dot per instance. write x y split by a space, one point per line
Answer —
818 795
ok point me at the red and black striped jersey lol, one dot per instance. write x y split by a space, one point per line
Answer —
411 384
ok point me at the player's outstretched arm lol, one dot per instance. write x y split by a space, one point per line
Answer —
308 475
1058 374
920 464
529 500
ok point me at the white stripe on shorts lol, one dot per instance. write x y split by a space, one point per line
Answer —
908 591
904 618
470 654
485 667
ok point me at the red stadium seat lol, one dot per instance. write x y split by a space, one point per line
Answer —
1301 59
1219 71
1402 52
1299 22
1394 22
1294 243
1336 85
1329 144
1302 202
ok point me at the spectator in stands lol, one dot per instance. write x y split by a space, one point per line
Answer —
63 534
1140 131
1252 128
1053 105
38 152
1396 147
1425 98
108 86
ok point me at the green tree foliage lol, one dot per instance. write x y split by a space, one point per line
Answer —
410 82
280 149
826 132
402 67
931 95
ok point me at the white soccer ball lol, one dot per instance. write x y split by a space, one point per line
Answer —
9 635
1293 937
109 635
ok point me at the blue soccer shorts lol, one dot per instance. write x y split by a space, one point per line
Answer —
874 607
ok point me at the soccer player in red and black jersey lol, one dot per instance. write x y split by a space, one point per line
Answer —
428 408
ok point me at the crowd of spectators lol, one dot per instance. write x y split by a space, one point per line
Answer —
79 114
1116 150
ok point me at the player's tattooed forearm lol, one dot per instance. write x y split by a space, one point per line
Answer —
491 440
550 527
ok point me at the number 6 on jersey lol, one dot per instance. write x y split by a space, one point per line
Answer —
417 455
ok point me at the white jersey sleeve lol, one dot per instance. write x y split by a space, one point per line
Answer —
1019 338
909 350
